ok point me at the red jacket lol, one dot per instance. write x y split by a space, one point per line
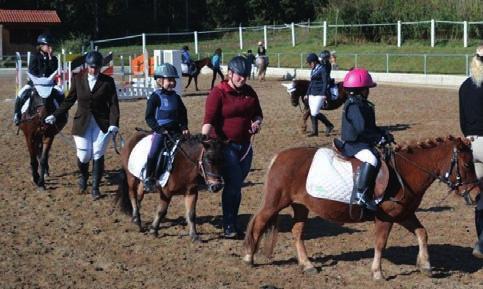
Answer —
231 112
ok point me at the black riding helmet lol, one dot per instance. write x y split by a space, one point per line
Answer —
94 59
239 65
325 55
312 57
44 39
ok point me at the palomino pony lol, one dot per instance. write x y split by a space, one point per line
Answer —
199 65
39 135
298 89
196 156
417 166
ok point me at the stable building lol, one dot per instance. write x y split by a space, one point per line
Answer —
19 28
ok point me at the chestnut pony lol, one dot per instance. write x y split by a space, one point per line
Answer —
298 89
39 136
199 65
195 156
412 169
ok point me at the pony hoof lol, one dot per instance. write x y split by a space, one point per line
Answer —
426 272
195 239
311 271
41 189
378 277
154 232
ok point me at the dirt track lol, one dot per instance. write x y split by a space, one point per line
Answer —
59 239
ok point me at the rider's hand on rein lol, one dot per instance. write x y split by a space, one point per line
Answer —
50 119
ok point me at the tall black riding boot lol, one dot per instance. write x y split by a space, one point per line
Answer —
328 125
478 250
365 185
315 127
84 176
150 181
19 101
97 171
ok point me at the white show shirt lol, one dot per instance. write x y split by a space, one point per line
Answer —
92 80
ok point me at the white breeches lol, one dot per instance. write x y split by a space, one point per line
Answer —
477 147
315 103
93 143
367 156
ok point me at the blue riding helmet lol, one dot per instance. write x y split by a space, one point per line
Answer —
44 39
166 70
312 57
239 65
94 59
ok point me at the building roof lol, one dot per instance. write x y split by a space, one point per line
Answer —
29 16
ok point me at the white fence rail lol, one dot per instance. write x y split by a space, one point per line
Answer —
324 26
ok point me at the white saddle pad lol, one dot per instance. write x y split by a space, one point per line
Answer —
330 177
138 158
184 68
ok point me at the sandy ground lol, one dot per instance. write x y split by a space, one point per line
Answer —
59 239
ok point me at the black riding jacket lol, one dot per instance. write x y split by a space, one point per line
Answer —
471 108
41 66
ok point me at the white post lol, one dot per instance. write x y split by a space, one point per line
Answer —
399 40
69 68
432 32
325 33
293 35
265 36
196 41
145 60
28 57
123 71
130 70
465 33
18 67
240 30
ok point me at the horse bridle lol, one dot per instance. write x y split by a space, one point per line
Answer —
452 185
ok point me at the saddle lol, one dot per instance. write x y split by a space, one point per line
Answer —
382 179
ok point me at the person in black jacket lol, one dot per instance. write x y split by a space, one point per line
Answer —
471 122
360 134
317 94
165 114
42 64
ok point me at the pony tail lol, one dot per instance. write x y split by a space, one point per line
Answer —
122 195
270 236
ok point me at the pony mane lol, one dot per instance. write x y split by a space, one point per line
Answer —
410 147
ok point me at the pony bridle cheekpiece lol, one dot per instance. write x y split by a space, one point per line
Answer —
454 185
209 175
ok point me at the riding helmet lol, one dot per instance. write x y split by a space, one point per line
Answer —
166 70
358 78
94 59
312 57
324 55
239 65
185 47
44 39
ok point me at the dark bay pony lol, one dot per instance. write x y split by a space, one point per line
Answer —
199 65
449 160
298 89
39 136
196 156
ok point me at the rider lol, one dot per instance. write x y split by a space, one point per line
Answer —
42 64
251 61
317 94
186 59
165 114
360 134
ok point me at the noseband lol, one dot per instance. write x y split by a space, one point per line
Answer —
203 171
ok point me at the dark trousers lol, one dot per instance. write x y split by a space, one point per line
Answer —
215 72
157 144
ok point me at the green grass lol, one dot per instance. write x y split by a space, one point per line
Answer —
447 57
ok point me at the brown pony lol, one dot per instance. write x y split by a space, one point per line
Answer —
418 166
196 156
39 135
199 65
298 89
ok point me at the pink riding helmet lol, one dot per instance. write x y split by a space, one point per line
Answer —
358 78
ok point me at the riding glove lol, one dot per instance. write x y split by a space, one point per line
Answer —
50 119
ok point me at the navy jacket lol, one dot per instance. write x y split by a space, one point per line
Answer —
359 129
160 116
319 80
41 66
471 108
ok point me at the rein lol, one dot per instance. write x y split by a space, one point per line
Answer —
452 185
